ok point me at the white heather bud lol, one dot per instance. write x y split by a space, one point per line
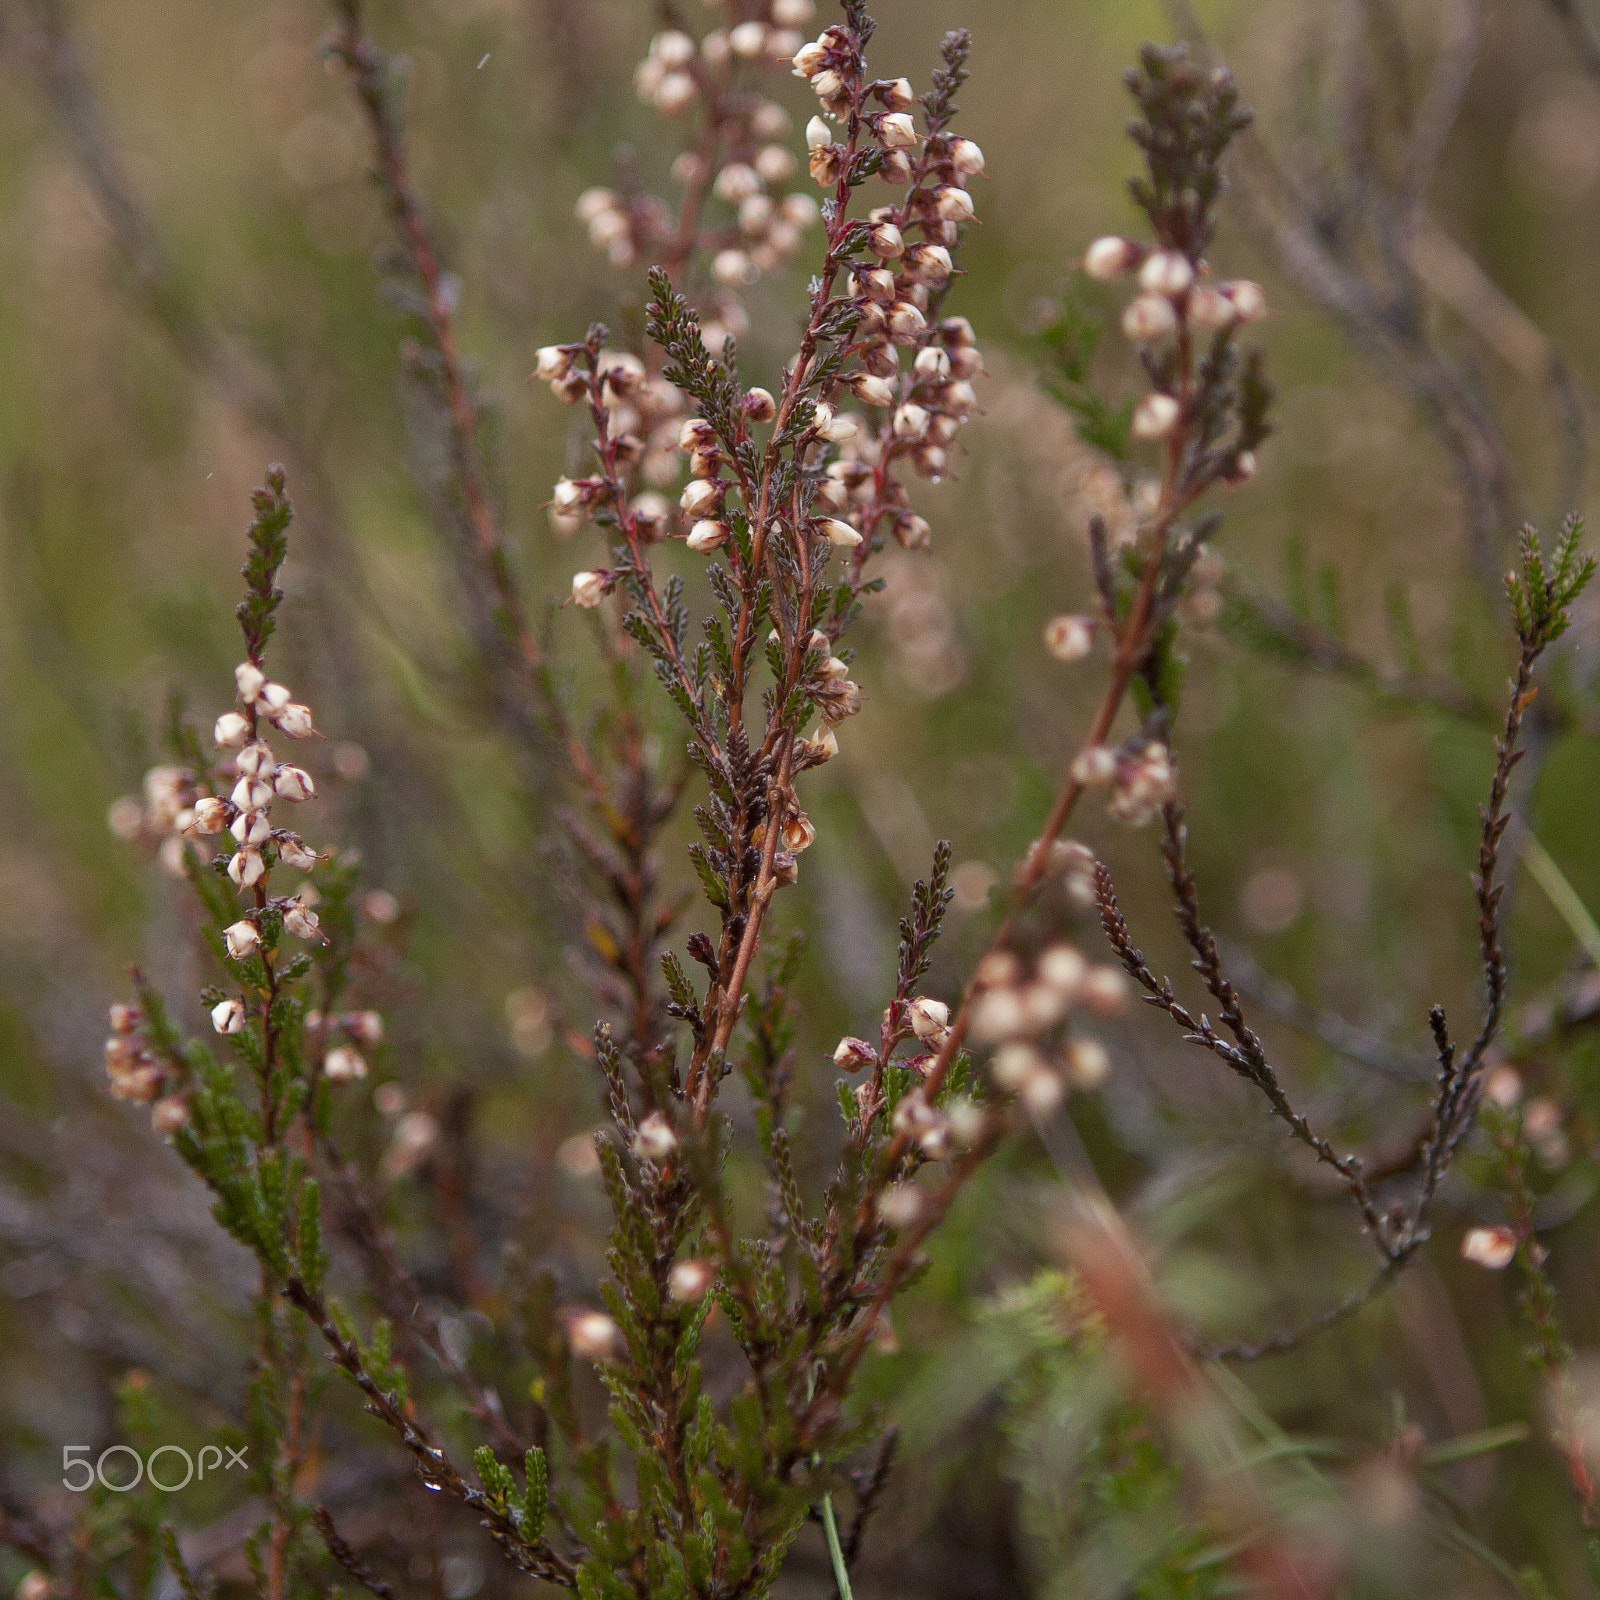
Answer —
588 589
551 363
1166 272
700 495
737 181
906 322
1249 301
910 422
932 363
834 667
592 202
733 268
227 1016
1104 989
342 1064
294 853
871 390
799 210
294 783
839 533
929 1019
1209 308
829 87
1012 1065
1069 638
760 406
748 39
954 205
1064 969
255 761
1155 416
231 730
886 241
1108 258
252 827
250 680
851 1055
301 921
1148 317
1088 1064
167 1115
294 721
365 1026
241 939
774 164
898 131
246 867
677 93
654 1139
913 531
900 1205
594 1337
879 284
251 794
706 536
673 48
966 158
1494 1248
274 697
689 1280
1095 765
898 96
836 429
821 747
808 60
568 494
932 262
1244 467
818 134
1502 1085
210 815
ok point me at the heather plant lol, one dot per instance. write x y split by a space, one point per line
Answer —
668 1419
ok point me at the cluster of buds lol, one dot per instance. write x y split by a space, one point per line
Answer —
906 265
356 1028
135 1073
1013 1003
1139 774
643 418
745 166
836 695
262 780
1072 864
1175 295
938 1132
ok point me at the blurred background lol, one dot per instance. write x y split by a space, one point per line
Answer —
1421 200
